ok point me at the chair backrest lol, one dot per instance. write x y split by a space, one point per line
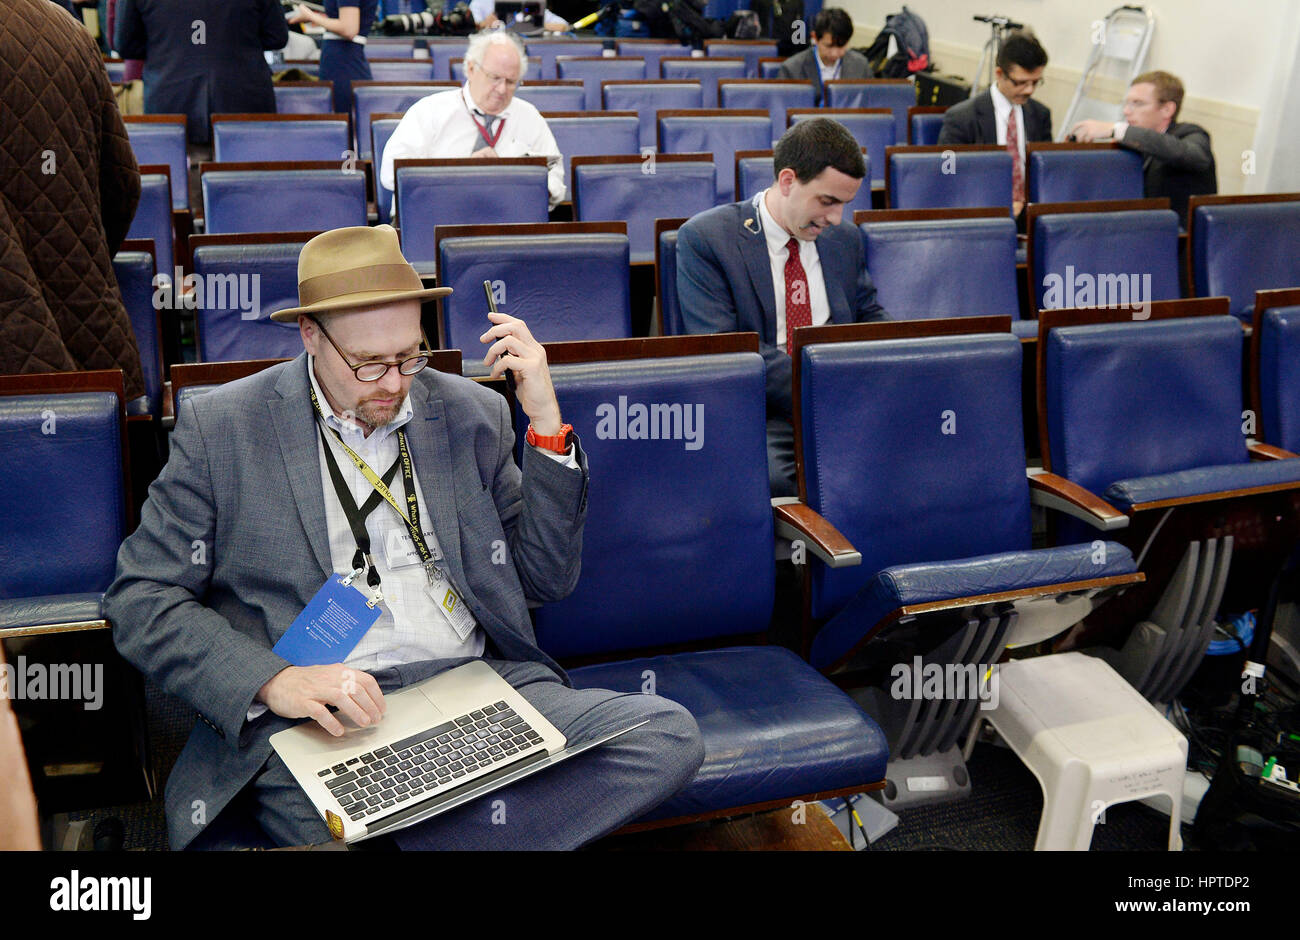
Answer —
304 97
775 96
389 47
241 281
949 177
254 137
403 70
63 495
670 310
592 70
705 71
1242 244
649 97
554 96
190 379
619 189
1124 398
133 266
873 128
897 94
533 270
756 170
277 197
717 131
549 50
593 133
382 125
665 425
458 73
153 215
1105 253
1080 172
751 50
930 467
652 50
924 123
464 192
116 69
369 97
1275 347
928 263
770 66
160 139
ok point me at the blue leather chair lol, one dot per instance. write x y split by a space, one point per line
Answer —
649 97
773 729
770 67
458 74
369 97
382 125
652 50
924 125
548 50
464 192
160 139
1242 244
593 134
592 70
280 197
705 71
897 94
403 70
259 137
304 97
442 51
670 310
619 189
952 177
153 216
755 171
389 47
533 270
717 131
751 50
1110 253
774 96
554 96
1275 345
245 279
133 266
929 263
926 479
872 128
1081 172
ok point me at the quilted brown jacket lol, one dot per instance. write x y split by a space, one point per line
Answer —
68 191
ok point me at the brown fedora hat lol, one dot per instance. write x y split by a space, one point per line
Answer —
359 266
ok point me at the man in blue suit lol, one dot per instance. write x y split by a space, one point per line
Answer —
781 260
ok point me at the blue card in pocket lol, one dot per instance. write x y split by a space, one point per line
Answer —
330 626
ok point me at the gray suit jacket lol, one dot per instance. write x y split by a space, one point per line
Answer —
804 65
973 121
232 544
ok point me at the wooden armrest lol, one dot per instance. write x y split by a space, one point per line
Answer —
1056 492
1260 451
794 520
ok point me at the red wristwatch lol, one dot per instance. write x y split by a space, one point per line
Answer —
555 442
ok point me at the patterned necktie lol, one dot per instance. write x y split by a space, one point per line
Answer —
487 121
798 310
1017 171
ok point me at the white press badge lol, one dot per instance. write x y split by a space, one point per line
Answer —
440 591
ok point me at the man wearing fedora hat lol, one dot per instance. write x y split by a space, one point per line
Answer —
258 506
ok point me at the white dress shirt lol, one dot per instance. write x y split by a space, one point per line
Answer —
828 72
441 126
777 255
1001 114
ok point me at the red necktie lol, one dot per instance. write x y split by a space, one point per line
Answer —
1017 171
798 310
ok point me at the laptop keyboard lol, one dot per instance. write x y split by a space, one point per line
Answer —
422 763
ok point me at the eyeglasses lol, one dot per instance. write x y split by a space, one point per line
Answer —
374 370
495 80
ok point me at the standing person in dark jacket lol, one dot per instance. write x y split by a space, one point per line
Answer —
202 57
343 53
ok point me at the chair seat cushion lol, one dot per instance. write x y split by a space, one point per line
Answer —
50 609
1024 328
908 585
1125 494
773 727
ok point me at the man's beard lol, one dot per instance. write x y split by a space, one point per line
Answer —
377 415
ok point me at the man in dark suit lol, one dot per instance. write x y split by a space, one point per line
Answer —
202 57
1006 114
780 260
830 56
1177 160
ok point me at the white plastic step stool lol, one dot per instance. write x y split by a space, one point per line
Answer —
1090 738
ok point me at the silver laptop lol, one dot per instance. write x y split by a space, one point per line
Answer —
443 742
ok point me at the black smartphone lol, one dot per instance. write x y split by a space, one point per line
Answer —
492 308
